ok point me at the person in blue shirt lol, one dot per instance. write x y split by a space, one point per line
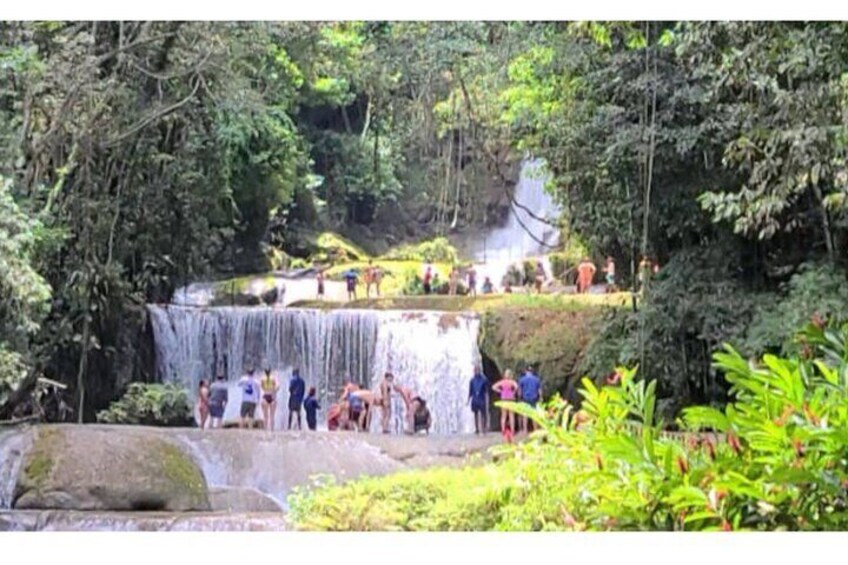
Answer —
297 390
530 389
478 398
311 406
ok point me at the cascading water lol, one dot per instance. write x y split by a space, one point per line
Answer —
432 353
13 444
508 244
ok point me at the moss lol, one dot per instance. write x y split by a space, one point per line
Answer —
40 461
180 469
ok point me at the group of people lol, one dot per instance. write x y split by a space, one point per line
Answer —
352 411
213 400
586 273
528 389
356 406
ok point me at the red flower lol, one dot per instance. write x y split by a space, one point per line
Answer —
708 443
614 378
733 442
799 448
725 525
682 465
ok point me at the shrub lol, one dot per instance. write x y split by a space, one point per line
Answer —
438 250
150 405
333 248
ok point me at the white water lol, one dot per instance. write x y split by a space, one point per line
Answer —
433 353
511 243
13 444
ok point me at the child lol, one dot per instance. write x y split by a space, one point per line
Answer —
311 407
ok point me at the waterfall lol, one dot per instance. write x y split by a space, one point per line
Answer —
13 444
432 353
512 242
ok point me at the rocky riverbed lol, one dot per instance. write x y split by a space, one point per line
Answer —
97 477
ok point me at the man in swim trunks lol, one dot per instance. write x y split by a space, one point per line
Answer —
218 396
250 398
530 389
297 390
350 279
478 398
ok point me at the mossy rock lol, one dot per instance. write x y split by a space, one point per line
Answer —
94 468
552 341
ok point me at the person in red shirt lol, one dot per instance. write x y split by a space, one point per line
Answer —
585 273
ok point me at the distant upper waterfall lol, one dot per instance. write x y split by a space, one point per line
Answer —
431 352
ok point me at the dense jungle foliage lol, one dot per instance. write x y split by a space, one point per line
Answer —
137 156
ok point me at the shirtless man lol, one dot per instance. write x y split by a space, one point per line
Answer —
369 278
368 399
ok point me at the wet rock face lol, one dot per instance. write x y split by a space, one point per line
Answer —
88 468
234 499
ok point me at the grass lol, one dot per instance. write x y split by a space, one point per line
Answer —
481 303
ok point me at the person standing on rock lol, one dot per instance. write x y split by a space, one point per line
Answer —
530 388
297 390
378 278
351 280
478 398
540 277
609 269
250 398
507 388
202 403
311 407
369 278
385 401
585 273
472 281
269 386
320 279
218 394
428 279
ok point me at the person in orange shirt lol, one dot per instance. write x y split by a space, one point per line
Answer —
585 272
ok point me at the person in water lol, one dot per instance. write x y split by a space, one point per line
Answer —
609 270
311 407
363 402
218 396
202 403
585 273
351 280
334 413
250 398
507 388
530 389
320 279
269 386
488 287
297 390
422 421
478 398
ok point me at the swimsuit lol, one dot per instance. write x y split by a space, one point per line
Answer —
507 393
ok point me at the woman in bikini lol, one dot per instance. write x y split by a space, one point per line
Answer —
203 403
507 388
269 386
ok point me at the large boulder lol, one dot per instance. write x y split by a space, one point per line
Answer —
98 468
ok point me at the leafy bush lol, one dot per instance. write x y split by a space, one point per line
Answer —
333 248
773 459
560 264
816 289
150 405
432 251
